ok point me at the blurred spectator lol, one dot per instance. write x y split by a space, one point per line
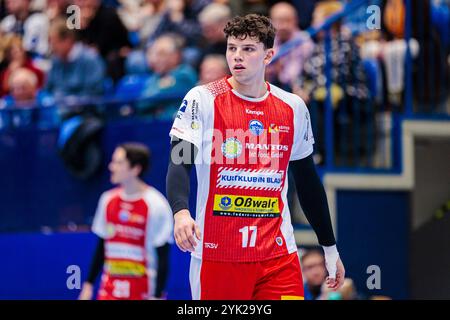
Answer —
31 26
288 68
171 79
102 29
15 57
133 13
76 69
23 85
153 10
56 9
212 68
314 273
25 105
178 18
213 19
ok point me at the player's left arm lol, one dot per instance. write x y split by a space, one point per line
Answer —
162 270
161 237
313 200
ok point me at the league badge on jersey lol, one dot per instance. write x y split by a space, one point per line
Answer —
225 203
232 148
256 127
279 241
182 109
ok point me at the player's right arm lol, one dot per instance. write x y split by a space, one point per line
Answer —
177 183
186 142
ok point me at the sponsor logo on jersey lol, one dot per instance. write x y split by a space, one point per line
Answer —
124 231
279 241
182 109
264 146
306 137
273 128
232 148
137 218
266 151
246 206
257 179
110 230
124 251
254 112
195 125
209 245
125 268
124 216
256 127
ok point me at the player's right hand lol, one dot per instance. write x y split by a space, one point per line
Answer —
184 230
86 292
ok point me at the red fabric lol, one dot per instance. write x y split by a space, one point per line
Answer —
274 279
224 234
125 276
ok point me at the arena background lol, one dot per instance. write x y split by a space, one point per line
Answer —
389 202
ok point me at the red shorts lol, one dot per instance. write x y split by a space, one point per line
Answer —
274 279
122 288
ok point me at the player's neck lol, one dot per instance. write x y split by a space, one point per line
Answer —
256 89
133 187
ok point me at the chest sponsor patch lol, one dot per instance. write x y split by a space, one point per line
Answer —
254 179
245 206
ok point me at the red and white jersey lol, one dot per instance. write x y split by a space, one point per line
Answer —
132 227
245 146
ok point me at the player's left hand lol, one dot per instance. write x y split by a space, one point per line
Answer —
334 283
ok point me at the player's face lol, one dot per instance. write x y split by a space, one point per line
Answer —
121 172
314 271
247 59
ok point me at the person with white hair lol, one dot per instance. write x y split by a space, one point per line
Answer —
213 19
23 86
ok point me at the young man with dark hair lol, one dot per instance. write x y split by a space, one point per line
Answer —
134 223
243 133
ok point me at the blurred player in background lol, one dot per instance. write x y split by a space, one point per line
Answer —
243 133
134 223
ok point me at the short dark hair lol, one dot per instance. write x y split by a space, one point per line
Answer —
311 252
251 25
137 154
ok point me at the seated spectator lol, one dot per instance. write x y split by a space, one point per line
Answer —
178 18
314 273
212 68
15 57
102 29
76 69
23 86
213 19
171 79
31 26
25 105
287 69
154 11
